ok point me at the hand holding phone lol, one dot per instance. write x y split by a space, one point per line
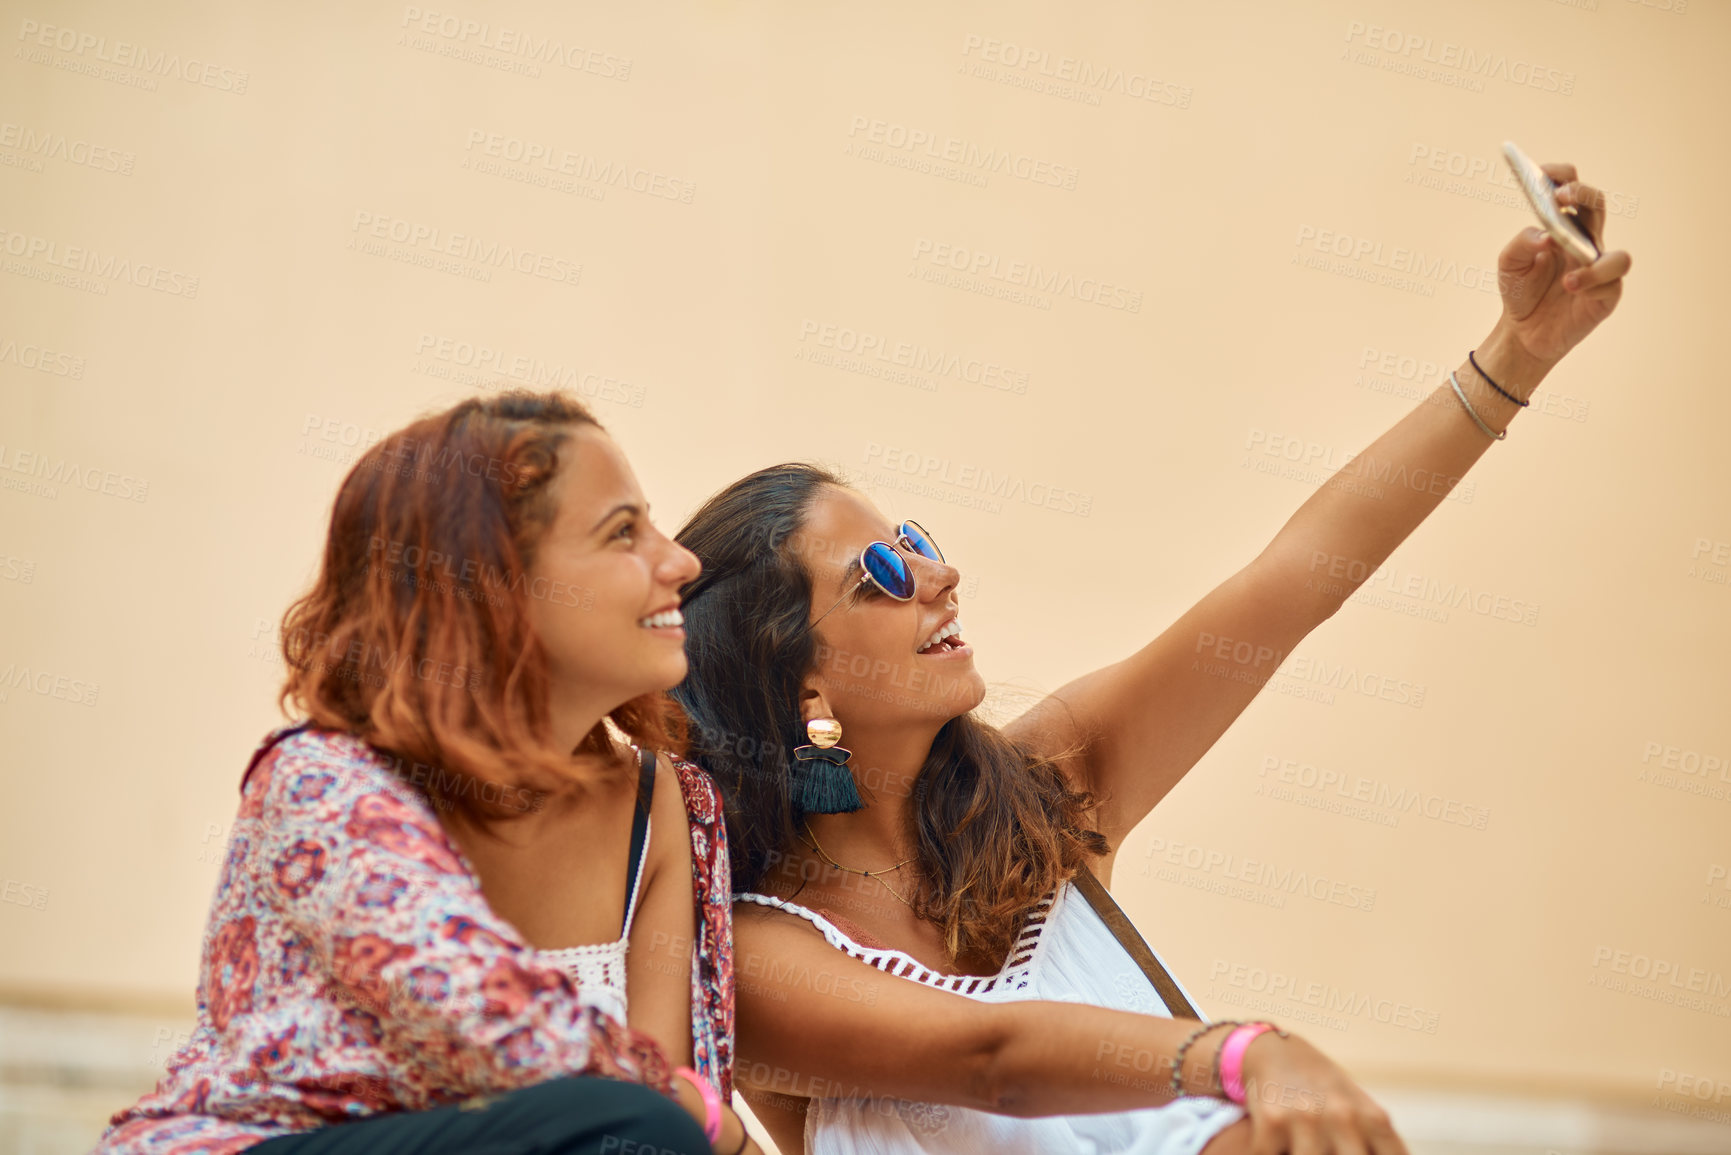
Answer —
1559 220
1556 284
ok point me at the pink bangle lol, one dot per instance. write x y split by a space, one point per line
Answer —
1232 1059
711 1103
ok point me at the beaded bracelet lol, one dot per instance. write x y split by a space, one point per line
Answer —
1493 384
1178 1059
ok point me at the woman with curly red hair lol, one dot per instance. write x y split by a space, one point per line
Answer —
419 939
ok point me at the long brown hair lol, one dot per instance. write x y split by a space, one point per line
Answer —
416 634
996 828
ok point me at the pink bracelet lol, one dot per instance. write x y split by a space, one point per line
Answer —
1232 1059
711 1103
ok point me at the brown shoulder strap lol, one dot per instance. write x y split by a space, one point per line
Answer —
1125 932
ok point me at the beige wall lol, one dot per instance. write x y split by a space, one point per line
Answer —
1211 148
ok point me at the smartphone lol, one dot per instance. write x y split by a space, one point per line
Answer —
1560 221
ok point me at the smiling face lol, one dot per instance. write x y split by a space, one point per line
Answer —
604 584
877 664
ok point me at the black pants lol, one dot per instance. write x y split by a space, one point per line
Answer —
569 1116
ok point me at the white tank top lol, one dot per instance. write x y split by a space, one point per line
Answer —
1065 954
598 969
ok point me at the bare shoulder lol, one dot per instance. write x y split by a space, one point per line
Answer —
1057 729
1053 727
758 927
668 812
669 790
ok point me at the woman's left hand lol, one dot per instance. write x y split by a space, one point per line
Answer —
1551 301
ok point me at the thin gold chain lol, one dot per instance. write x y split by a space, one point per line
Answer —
811 840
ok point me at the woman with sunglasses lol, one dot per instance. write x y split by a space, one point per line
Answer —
466 906
947 857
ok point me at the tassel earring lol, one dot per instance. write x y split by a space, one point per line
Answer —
825 784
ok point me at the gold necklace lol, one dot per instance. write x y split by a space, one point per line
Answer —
811 840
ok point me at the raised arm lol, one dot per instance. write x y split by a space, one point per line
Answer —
816 1023
1138 726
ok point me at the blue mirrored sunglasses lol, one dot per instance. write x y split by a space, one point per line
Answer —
882 564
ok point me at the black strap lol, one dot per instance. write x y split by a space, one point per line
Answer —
1131 940
639 825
